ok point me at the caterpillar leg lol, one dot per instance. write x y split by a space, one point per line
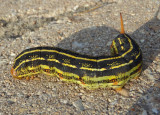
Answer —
27 78
118 89
115 83
139 70
14 73
60 76
122 91
20 78
136 77
33 77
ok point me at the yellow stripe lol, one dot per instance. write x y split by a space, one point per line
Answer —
114 45
103 69
93 69
138 54
85 68
85 78
72 56
29 61
44 66
51 68
131 47
111 85
119 41
69 65
32 51
53 60
122 65
73 66
122 47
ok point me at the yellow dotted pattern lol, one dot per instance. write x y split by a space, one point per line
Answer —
114 64
86 65
67 61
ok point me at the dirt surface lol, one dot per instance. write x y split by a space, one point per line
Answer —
87 27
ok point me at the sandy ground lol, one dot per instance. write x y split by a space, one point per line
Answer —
87 27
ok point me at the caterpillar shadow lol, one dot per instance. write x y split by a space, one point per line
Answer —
149 35
97 40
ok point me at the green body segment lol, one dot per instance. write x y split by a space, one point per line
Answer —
112 71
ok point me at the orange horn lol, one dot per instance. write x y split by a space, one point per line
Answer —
122 27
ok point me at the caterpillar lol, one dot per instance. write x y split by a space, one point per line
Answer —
113 71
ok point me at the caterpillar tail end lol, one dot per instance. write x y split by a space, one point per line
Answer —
122 26
13 73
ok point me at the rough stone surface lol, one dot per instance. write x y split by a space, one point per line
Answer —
87 27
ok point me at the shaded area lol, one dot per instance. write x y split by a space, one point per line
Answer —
150 32
148 38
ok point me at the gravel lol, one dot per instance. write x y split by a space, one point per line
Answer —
87 27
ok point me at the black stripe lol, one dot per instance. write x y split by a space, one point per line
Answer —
112 80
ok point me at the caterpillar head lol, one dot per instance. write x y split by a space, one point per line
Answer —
13 72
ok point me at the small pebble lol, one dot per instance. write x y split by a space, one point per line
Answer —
149 74
13 54
123 92
63 101
109 43
154 110
142 40
10 102
78 104
144 112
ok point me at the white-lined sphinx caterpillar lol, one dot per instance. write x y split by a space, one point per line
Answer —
112 71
